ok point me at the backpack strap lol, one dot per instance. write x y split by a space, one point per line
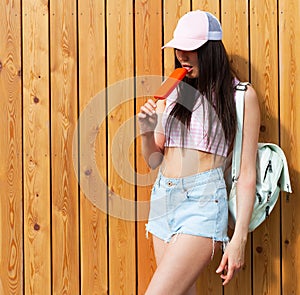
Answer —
237 147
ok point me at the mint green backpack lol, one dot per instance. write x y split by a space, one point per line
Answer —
272 175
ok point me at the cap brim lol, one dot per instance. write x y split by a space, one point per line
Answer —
184 44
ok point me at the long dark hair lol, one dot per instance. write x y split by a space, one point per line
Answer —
216 83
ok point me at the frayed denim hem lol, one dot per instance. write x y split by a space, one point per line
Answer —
175 235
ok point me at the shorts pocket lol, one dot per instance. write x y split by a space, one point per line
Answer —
155 189
156 193
222 194
204 192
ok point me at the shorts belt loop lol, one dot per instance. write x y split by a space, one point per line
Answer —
159 178
182 184
220 172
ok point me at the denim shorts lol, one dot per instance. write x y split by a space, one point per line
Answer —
195 205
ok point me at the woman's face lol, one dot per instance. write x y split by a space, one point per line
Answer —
189 60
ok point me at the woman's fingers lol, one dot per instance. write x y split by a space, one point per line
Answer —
147 116
230 272
228 276
149 107
223 264
145 109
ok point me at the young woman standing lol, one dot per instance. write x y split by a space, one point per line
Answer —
190 136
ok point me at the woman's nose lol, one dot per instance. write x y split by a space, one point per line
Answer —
181 55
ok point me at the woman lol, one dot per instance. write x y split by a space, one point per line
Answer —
190 136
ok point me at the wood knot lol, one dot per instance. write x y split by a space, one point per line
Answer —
36 227
88 172
259 249
263 128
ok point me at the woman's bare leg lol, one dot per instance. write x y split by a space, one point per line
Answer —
159 249
179 264
192 290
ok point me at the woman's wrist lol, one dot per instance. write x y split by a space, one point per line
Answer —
241 236
147 134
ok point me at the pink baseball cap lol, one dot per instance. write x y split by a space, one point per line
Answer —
194 29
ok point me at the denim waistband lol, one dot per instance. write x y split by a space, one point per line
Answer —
214 175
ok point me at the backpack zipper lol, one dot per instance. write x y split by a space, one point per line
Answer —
259 198
269 168
268 206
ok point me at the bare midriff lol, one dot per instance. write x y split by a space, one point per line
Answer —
180 162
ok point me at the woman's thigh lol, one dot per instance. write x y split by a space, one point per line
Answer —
179 263
159 248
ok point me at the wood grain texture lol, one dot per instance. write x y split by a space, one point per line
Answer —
264 76
93 221
212 6
70 246
36 134
289 61
65 215
148 22
11 236
234 16
120 101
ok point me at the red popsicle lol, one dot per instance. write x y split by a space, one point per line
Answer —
170 83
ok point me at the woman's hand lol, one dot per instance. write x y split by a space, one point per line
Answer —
232 260
147 117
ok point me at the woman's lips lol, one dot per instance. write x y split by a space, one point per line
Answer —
189 68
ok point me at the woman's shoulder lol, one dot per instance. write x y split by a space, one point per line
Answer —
251 99
250 91
250 94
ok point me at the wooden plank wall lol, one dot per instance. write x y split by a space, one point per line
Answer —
72 211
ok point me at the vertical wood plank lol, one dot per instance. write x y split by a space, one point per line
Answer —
65 228
173 11
11 237
289 61
264 76
148 23
264 63
122 260
36 147
93 222
234 17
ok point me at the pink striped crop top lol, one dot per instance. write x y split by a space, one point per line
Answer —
196 137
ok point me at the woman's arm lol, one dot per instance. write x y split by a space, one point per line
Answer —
233 258
151 131
246 183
